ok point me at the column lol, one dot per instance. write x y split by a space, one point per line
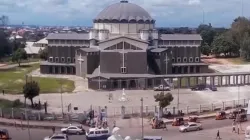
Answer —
212 80
244 79
66 70
229 80
237 80
146 83
153 82
127 82
59 70
53 69
196 80
188 81
188 67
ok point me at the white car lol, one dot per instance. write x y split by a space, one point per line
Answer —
73 130
57 137
190 126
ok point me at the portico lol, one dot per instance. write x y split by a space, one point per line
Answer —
147 81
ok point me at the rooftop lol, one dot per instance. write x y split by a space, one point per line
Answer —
68 36
180 37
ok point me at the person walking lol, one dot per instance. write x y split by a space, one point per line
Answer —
218 135
233 125
53 129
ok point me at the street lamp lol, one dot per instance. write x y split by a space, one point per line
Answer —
61 95
142 125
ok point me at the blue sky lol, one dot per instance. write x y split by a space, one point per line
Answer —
167 13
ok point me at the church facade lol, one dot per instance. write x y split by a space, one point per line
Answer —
123 50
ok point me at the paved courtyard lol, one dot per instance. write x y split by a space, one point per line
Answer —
83 100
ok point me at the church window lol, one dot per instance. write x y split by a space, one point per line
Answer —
50 59
197 59
133 47
126 46
178 59
173 60
185 59
120 45
68 41
69 60
62 59
123 70
190 59
57 59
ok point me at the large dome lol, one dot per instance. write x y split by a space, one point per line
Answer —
124 12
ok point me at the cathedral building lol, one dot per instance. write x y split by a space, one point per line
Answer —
123 50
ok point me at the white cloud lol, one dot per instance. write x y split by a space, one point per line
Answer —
85 10
194 2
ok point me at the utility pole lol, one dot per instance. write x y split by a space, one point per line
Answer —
61 95
178 93
142 125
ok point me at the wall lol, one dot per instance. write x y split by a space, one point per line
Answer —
120 28
136 62
110 62
93 62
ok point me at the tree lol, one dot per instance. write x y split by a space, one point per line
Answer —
19 55
205 49
163 99
224 44
43 54
30 90
4 45
245 47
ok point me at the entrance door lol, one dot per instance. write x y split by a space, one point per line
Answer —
132 84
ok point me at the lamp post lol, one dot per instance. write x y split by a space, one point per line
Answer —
142 125
61 95
178 100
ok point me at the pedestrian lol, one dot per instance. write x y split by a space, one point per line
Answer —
53 129
234 130
114 124
218 135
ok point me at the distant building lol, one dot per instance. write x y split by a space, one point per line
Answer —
123 50
41 43
32 50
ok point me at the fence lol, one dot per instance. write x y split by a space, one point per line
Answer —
128 111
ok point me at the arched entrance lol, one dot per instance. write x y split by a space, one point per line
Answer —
115 84
124 84
132 84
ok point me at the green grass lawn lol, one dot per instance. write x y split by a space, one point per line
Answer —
12 81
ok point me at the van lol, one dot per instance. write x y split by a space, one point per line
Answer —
98 134
152 138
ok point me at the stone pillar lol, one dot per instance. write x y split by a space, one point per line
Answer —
66 70
188 81
179 83
153 82
244 79
188 67
234 80
127 82
237 80
53 69
229 80
196 80
204 80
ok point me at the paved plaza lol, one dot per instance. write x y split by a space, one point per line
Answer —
83 100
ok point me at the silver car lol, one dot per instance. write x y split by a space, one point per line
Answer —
73 130
190 126
57 137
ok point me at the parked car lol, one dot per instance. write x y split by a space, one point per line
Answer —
199 87
162 88
190 126
73 130
213 88
57 137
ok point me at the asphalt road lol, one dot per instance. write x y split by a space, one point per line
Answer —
172 133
